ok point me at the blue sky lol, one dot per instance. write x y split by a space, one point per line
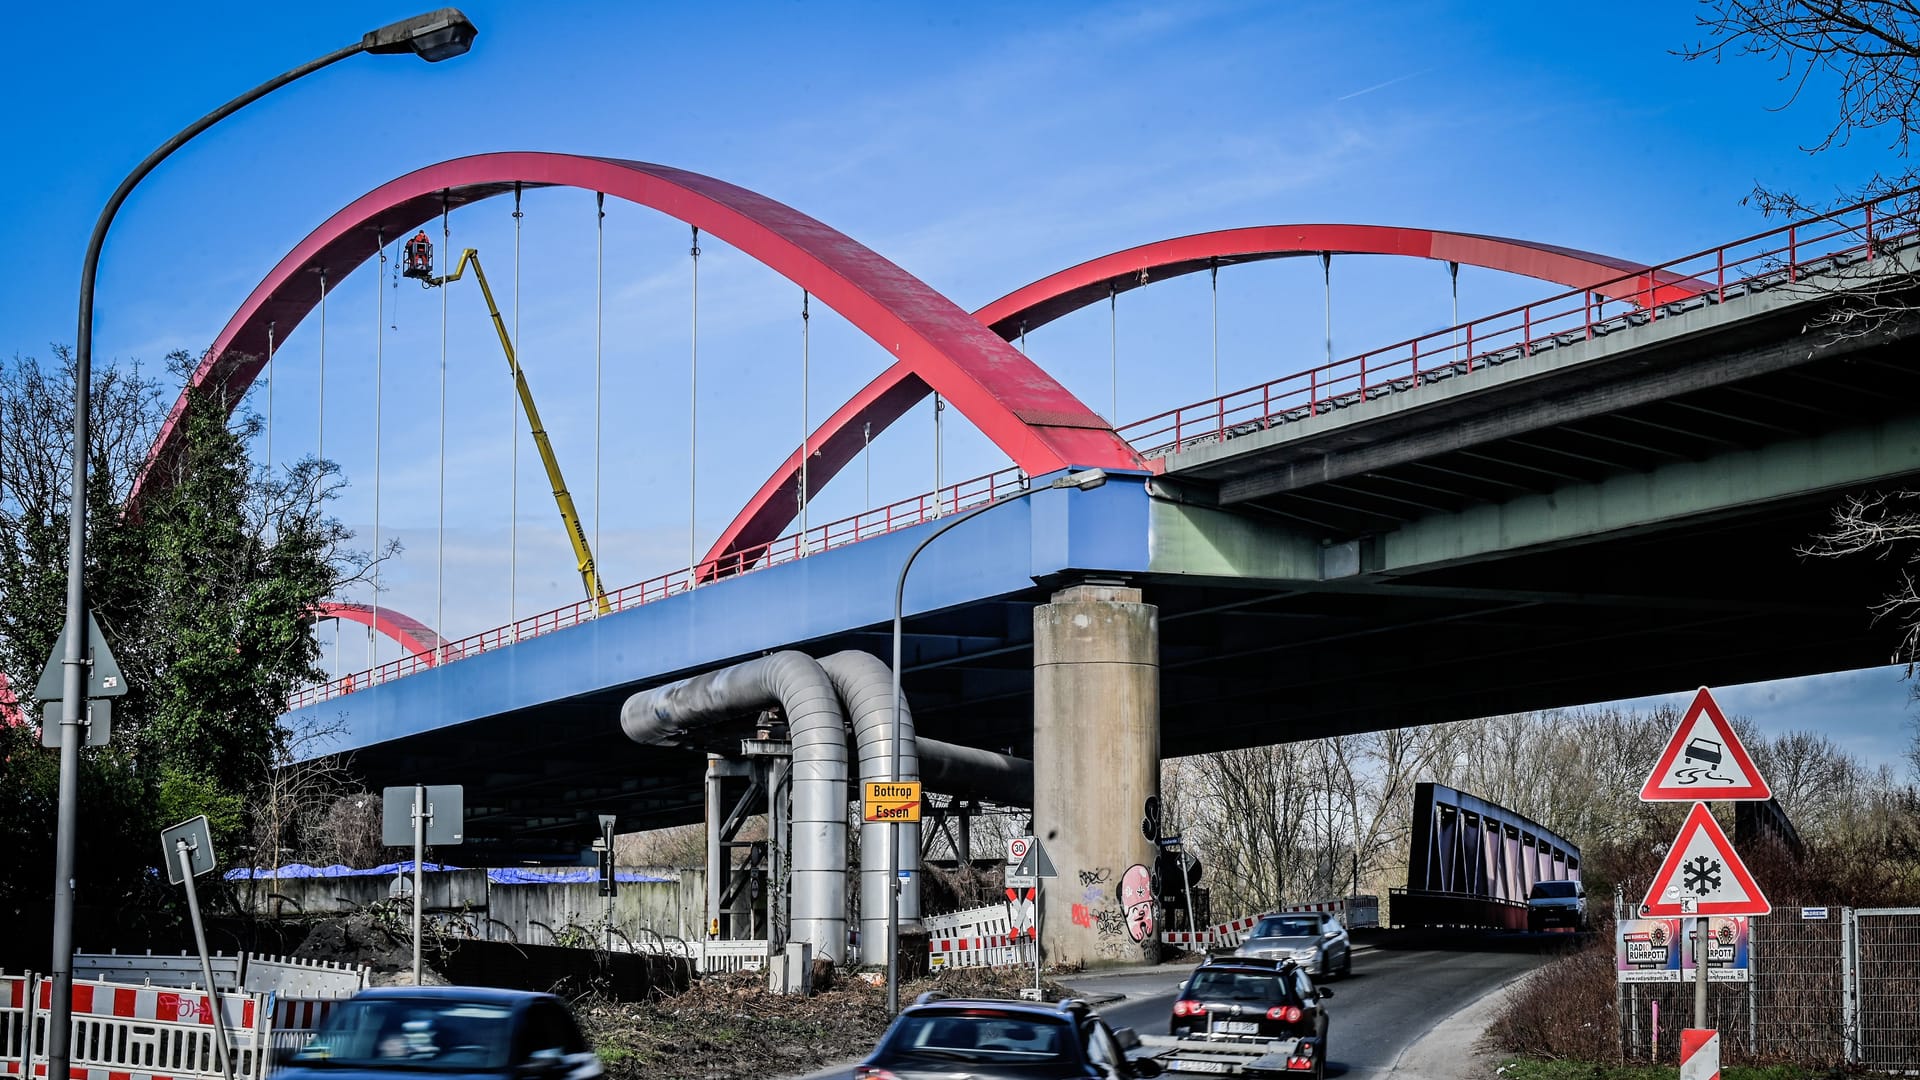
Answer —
979 147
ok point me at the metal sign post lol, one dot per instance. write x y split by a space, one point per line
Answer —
1179 848
422 811
1700 972
609 887
188 849
420 815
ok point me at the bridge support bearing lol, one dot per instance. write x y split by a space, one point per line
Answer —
1096 764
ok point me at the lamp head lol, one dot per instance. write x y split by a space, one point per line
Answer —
434 36
1085 479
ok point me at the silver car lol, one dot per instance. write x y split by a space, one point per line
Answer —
1314 940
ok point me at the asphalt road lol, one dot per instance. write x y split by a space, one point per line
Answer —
1393 997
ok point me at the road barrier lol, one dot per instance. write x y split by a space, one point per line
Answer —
725 957
16 1022
125 1030
976 937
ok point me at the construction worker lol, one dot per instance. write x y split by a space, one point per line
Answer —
419 256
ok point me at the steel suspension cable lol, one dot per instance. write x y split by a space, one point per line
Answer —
939 465
379 342
1453 272
1113 339
693 423
599 325
1326 272
320 428
440 518
513 495
1215 269
805 431
271 372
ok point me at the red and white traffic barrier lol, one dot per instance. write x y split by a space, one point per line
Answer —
1699 1054
978 937
1191 939
16 1022
123 1032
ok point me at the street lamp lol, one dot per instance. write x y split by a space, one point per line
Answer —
1084 480
434 36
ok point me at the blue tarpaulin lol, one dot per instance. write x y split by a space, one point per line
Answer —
507 875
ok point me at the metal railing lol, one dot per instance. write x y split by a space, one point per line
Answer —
903 514
1785 255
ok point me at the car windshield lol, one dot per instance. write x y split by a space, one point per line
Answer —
1288 926
983 1035
1249 987
438 1033
1552 890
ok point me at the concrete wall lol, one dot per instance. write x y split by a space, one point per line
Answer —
528 914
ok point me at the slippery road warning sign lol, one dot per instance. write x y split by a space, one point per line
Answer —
1704 760
1702 875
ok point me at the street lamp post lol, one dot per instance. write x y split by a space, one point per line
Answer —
435 36
1084 480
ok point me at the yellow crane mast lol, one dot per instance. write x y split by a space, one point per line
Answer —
419 265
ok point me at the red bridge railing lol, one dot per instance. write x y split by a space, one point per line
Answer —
1779 256
1786 255
864 526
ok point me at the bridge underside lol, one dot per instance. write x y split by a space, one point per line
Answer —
1612 519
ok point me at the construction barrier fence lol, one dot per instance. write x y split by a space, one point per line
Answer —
123 1030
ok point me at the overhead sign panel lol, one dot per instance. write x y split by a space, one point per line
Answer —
1703 875
1704 760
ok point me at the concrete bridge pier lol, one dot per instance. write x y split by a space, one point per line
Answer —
1096 765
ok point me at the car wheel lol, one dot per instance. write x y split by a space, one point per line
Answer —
1346 962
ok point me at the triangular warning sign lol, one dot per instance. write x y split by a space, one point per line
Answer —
1035 863
1703 875
1704 760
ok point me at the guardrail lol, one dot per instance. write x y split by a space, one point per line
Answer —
1786 255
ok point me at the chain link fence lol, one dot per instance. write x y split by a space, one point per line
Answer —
1885 970
1825 991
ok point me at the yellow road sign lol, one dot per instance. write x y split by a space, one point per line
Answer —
888 800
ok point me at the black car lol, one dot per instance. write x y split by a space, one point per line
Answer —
1252 1000
987 1038
450 1031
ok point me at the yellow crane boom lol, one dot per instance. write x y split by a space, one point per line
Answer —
569 516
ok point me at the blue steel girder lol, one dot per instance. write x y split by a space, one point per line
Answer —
1052 536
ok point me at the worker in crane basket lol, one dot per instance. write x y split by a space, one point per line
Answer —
419 256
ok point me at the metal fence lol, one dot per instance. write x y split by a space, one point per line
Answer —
1828 991
1885 970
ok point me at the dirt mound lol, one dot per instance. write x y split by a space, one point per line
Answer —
363 939
729 1026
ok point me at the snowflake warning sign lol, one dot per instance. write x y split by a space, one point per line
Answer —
1703 875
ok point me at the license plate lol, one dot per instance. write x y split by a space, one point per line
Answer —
1177 1065
1236 1027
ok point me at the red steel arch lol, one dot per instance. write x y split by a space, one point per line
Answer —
416 637
1028 415
899 388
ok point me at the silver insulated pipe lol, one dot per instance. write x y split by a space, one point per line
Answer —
866 686
817 728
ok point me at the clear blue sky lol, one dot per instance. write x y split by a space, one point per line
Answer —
980 147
